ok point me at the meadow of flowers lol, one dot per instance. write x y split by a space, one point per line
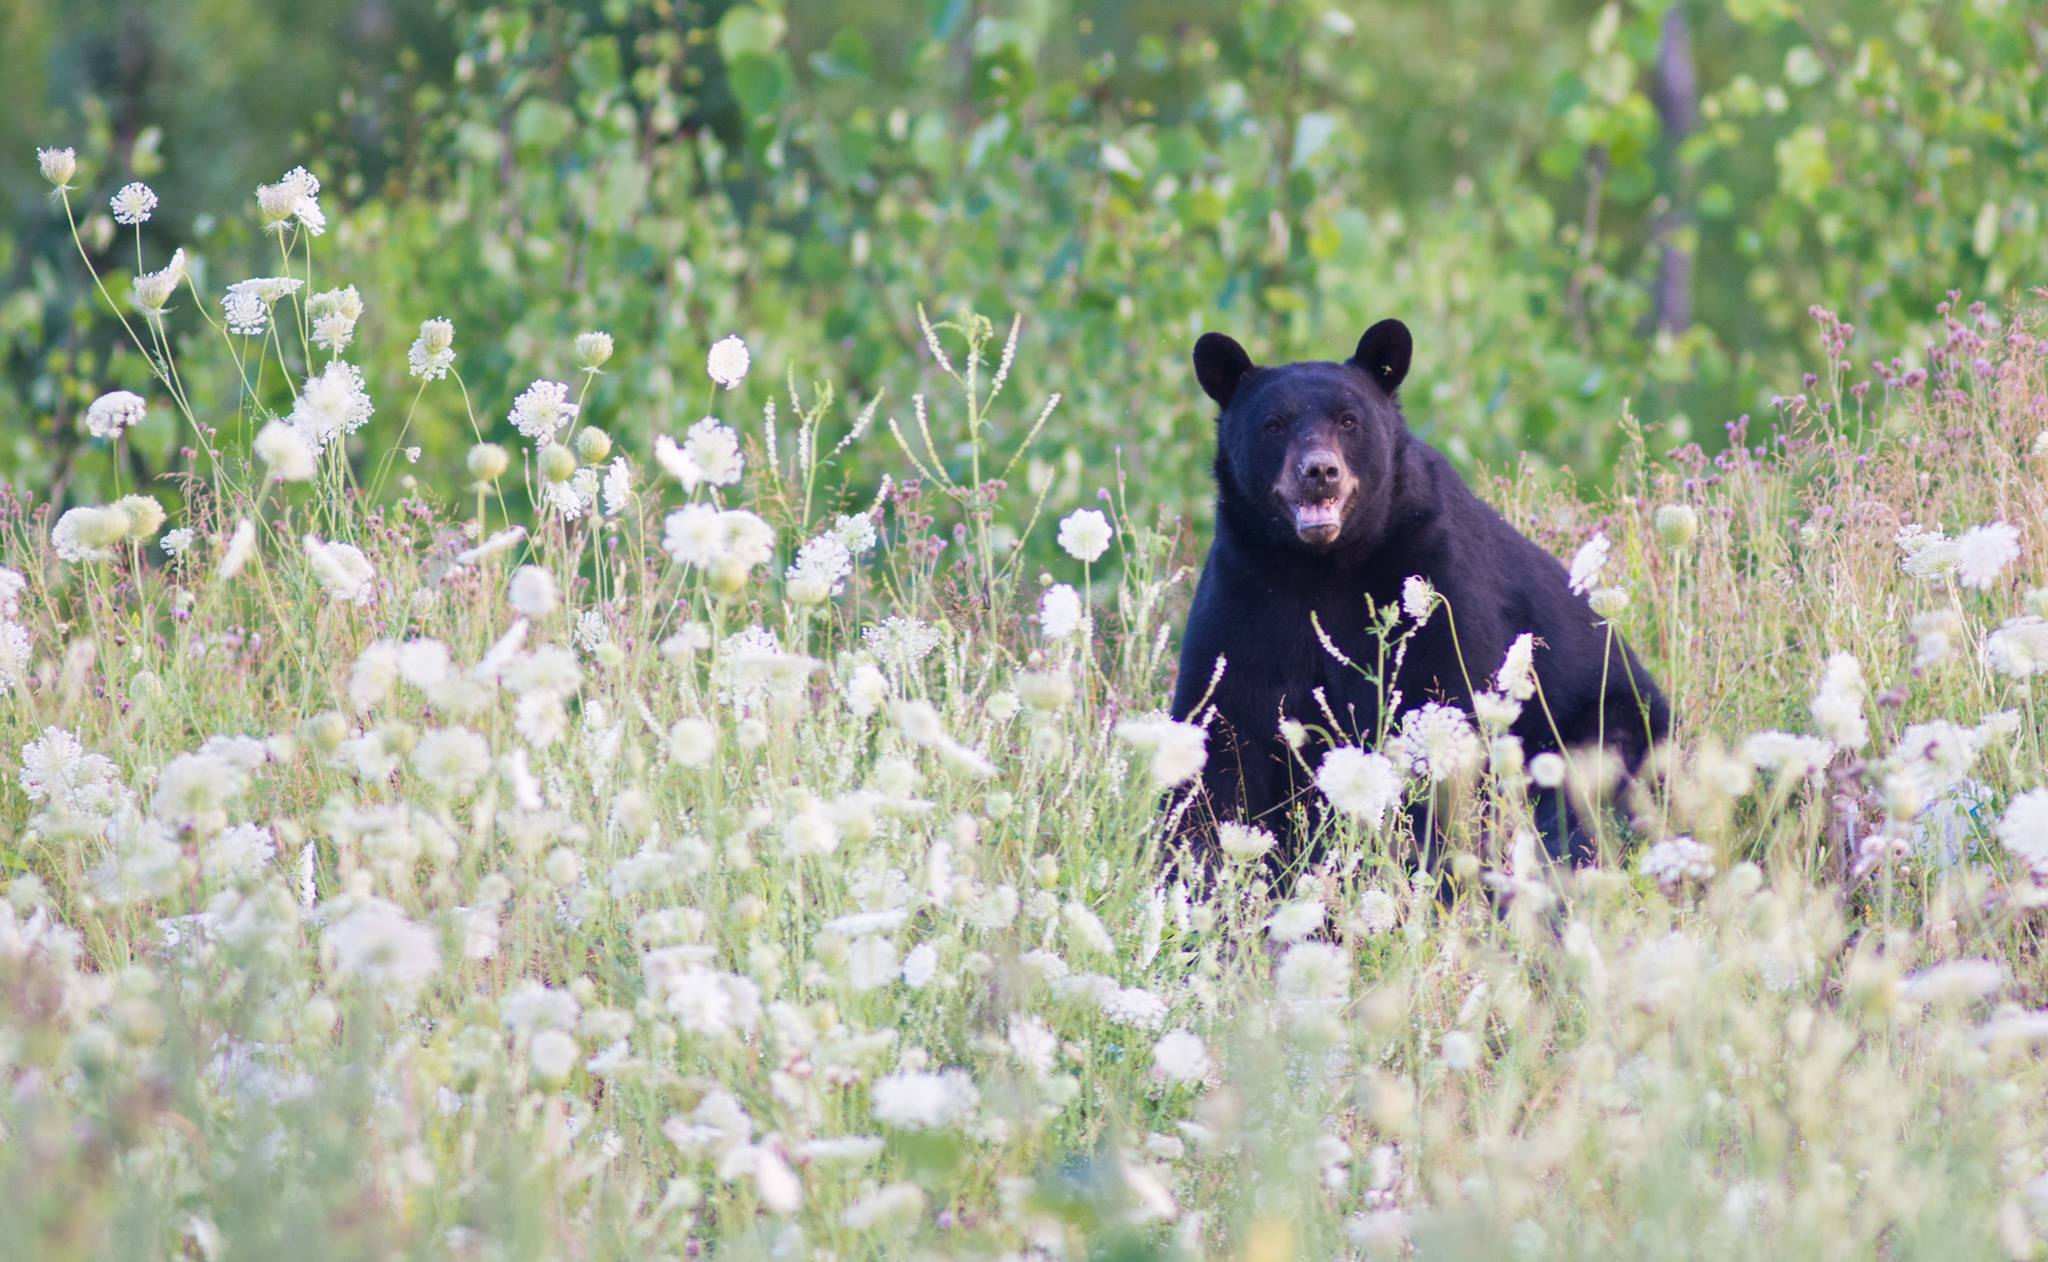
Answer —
687 848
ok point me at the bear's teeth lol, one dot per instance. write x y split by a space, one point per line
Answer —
1323 513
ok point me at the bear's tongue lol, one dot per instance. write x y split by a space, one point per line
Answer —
1315 515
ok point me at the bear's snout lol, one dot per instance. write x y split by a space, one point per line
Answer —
1316 486
1321 472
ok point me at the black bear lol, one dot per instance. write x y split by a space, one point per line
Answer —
1325 502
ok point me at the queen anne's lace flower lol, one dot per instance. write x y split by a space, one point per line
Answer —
542 409
344 572
133 205
114 412
1983 553
1437 743
432 353
1177 751
293 199
2019 647
1360 784
1675 861
1587 562
332 403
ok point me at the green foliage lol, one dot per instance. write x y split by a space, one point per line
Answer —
1501 176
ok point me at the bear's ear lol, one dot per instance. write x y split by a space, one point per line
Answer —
1383 354
1220 364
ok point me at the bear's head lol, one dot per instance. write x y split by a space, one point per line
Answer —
1305 453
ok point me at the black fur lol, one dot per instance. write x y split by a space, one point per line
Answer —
1333 434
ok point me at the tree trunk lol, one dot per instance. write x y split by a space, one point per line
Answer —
1677 96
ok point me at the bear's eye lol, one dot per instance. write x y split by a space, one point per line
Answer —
1347 420
1274 424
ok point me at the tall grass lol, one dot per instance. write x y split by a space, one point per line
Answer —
576 873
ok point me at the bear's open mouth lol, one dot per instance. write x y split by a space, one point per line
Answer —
1318 520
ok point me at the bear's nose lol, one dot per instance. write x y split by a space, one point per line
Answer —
1320 470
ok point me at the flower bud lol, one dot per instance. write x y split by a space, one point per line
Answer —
58 165
1677 524
593 445
593 349
488 462
145 516
1608 602
557 463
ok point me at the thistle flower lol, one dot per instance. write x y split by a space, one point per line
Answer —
133 205
58 166
1360 784
1085 535
114 412
432 353
727 362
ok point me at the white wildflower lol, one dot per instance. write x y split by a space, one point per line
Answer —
1059 611
113 412
432 353
1360 784
728 361
133 204
1085 535
1587 562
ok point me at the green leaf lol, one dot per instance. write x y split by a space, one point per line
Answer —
745 29
760 83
